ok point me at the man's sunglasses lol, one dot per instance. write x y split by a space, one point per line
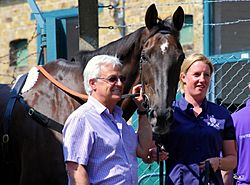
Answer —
114 78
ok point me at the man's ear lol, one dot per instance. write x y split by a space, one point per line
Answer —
92 83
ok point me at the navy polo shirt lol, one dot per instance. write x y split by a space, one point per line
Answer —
194 139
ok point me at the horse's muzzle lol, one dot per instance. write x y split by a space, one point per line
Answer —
161 122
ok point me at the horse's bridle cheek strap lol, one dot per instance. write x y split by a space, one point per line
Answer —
145 97
181 57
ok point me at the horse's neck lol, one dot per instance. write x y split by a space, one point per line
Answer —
126 47
48 99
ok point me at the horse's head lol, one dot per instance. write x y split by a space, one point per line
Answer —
161 59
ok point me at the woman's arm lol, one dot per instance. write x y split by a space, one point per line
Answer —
229 159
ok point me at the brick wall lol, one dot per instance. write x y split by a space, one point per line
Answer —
16 24
135 13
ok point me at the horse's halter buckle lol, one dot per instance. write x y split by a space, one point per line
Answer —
5 138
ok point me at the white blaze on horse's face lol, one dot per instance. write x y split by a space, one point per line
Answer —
164 47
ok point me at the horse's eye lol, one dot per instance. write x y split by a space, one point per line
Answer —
144 59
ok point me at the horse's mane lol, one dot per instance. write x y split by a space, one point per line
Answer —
119 48
65 65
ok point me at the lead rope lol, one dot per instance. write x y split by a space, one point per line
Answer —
160 147
160 164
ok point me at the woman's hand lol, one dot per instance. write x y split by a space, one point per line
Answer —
214 162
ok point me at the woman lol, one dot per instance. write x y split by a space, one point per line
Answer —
203 131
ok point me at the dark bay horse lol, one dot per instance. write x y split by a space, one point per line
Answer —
151 55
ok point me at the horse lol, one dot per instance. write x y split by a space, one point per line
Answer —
151 55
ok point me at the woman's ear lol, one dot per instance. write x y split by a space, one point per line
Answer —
182 77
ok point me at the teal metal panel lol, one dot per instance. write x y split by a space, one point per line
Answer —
230 57
206 29
38 42
71 12
56 32
51 39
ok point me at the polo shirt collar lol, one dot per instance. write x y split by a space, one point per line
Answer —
184 105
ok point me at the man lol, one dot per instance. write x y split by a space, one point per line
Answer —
242 126
99 146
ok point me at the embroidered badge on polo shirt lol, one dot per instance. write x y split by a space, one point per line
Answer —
216 123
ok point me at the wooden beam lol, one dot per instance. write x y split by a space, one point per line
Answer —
88 24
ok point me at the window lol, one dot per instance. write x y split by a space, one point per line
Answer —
18 52
186 35
187 31
233 33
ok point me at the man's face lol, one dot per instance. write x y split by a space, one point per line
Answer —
108 87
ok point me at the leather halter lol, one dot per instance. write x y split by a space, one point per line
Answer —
61 86
145 97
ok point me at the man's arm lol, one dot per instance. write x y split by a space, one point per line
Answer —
144 134
227 177
77 174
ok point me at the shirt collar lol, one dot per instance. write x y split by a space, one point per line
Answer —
184 105
100 108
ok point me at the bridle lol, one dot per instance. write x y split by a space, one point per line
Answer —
146 99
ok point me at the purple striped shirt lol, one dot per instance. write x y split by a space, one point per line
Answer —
103 142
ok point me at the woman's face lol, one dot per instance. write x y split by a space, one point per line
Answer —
196 80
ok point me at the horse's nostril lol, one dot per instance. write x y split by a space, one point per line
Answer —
152 114
169 115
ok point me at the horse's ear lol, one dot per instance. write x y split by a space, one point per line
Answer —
151 17
178 18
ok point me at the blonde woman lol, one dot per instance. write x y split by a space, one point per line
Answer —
203 131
